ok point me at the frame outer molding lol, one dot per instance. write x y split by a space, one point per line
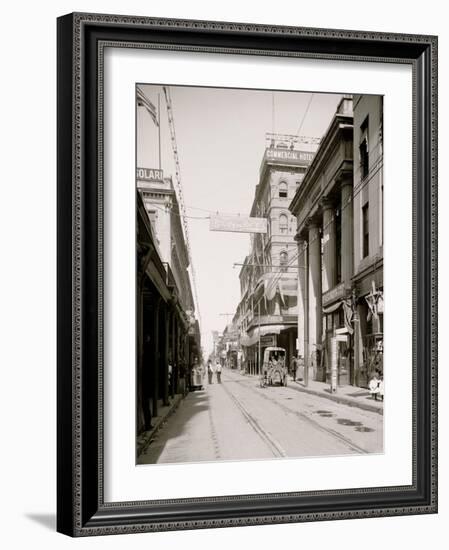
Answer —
80 508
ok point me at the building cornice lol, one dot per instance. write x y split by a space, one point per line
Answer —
340 129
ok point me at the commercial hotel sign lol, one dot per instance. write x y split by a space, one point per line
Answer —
289 154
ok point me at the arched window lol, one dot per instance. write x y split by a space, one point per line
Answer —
283 223
283 190
283 260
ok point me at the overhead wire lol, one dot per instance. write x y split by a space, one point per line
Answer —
164 209
215 211
373 171
184 216
171 123
304 115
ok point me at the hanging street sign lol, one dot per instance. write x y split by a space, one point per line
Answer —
268 340
237 224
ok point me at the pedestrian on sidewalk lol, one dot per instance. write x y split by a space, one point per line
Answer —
381 386
210 372
293 367
170 379
218 371
374 385
182 386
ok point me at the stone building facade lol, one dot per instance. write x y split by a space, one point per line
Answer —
168 338
267 312
339 234
323 209
368 236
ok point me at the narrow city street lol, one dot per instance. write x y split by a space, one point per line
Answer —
238 420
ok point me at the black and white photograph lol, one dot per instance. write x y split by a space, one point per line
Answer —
259 274
219 332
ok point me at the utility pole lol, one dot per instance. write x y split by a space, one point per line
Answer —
306 318
258 318
227 315
159 126
180 195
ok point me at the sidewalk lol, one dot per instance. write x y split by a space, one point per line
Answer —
144 439
347 395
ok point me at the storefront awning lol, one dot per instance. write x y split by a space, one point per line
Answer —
348 313
252 339
332 308
286 284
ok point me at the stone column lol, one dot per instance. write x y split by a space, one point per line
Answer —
140 424
302 310
174 354
347 232
314 291
164 369
329 246
187 356
156 356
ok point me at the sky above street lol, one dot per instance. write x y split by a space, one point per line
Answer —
220 135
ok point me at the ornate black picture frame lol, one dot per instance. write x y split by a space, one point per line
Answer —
81 510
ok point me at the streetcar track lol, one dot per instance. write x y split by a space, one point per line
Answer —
303 416
267 438
213 432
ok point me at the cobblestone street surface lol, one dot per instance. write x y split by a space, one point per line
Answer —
238 420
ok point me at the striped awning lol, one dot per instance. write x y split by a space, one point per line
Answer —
286 284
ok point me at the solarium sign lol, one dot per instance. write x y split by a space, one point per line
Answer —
150 174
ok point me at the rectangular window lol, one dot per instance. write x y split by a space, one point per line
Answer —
365 229
381 322
338 244
283 223
283 190
364 150
341 318
369 326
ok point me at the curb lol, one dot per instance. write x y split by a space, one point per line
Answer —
340 399
334 397
146 437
